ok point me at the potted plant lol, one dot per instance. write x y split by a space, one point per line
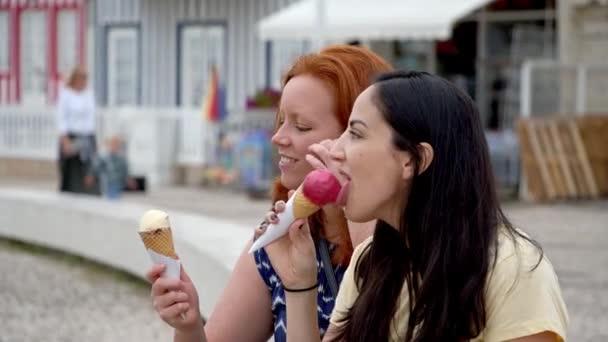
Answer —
264 98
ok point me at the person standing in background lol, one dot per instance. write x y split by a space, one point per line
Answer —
76 125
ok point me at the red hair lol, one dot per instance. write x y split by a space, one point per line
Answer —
347 71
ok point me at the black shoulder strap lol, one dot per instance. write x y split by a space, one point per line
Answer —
327 267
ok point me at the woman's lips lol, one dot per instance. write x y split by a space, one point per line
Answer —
285 163
343 194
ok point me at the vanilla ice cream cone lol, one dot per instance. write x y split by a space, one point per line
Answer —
159 241
155 232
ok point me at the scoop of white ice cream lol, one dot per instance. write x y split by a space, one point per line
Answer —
154 219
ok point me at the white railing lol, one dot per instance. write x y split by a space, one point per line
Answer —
156 139
549 87
27 133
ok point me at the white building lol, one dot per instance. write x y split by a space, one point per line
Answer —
150 60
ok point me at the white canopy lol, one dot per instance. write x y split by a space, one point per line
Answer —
368 19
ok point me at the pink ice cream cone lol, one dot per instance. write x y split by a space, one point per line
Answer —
320 187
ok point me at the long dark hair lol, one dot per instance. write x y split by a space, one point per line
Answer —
446 243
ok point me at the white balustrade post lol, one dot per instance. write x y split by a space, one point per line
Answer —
526 89
581 89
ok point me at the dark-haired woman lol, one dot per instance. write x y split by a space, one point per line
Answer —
444 263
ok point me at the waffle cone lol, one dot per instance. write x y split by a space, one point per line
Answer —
160 241
302 206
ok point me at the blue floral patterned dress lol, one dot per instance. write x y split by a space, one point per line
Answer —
325 299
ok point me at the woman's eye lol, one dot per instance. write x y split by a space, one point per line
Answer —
354 134
303 128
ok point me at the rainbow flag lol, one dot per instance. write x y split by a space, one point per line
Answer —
214 100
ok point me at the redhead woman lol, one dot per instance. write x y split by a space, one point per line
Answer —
317 98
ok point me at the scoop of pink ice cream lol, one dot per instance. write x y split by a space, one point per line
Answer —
321 187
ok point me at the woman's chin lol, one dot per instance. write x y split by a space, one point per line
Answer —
357 216
290 182
351 216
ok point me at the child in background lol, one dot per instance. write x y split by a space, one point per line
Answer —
111 168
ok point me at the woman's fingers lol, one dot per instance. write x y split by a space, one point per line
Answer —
154 272
271 217
328 143
172 312
321 152
322 156
315 162
163 285
259 230
299 234
168 299
279 206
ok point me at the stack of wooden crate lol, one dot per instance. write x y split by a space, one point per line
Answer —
564 157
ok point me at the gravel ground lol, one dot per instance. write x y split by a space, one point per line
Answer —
50 297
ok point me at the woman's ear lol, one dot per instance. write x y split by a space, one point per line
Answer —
408 165
426 156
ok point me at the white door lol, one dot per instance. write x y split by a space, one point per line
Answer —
67 48
202 47
33 61
123 71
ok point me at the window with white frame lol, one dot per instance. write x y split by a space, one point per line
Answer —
123 71
4 42
67 49
33 58
202 47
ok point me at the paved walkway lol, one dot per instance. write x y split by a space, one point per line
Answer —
574 236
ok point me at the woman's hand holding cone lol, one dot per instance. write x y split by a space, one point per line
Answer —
175 300
293 256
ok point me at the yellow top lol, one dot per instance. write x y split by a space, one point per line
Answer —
519 302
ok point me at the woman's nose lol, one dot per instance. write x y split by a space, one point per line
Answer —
279 138
337 151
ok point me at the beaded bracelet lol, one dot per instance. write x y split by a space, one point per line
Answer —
302 290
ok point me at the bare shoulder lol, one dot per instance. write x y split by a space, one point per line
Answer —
243 311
